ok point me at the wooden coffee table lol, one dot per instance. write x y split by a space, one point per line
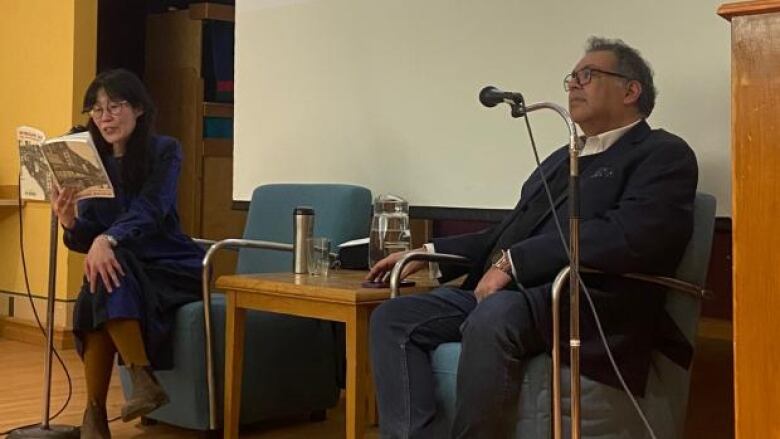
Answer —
338 297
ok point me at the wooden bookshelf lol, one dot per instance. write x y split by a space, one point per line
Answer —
174 76
217 109
217 147
212 11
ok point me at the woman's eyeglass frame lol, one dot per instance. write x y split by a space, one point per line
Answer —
113 108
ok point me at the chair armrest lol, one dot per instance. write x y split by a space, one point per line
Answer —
234 244
207 243
694 290
557 287
204 242
215 246
563 277
441 258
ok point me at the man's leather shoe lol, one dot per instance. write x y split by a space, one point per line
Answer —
147 395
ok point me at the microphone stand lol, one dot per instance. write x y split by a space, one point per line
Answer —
44 429
519 109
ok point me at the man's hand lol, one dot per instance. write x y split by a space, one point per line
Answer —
63 205
102 262
492 281
380 272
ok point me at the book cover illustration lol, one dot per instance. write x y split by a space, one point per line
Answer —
34 177
71 161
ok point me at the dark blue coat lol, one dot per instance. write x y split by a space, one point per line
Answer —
162 265
637 216
146 224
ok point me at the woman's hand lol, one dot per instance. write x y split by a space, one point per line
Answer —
64 205
380 272
102 262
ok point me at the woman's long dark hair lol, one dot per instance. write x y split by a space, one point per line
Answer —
119 85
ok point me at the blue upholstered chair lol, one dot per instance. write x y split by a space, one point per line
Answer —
291 364
607 413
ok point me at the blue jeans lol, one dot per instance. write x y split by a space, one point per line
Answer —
496 335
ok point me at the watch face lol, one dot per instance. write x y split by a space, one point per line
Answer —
111 240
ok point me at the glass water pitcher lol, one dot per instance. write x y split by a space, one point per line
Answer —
389 228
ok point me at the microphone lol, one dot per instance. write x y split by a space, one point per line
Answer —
491 96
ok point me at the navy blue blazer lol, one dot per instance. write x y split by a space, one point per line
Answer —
637 216
147 224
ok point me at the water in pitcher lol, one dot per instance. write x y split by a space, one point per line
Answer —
389 228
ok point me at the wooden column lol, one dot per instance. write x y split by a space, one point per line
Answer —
755 120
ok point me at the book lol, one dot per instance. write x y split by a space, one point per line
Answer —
66 161
353 255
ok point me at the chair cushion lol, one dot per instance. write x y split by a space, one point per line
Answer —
607 412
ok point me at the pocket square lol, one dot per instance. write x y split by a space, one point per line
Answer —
603 172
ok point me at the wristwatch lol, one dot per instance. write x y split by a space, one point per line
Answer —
111 240
503 263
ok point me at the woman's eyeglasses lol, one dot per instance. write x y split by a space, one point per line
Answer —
113 108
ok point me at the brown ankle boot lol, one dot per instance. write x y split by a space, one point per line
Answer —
147 395
95 424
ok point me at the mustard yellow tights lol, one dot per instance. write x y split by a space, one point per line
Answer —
120 335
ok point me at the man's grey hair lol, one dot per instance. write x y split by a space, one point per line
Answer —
631 64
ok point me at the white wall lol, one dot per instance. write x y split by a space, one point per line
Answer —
384 93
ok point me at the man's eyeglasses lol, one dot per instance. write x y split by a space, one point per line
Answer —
584 76
113 108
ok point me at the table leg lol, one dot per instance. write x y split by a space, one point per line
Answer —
373 411
357 372
234 364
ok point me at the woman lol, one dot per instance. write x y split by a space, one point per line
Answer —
139 266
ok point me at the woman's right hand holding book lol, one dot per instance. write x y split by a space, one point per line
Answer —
64 205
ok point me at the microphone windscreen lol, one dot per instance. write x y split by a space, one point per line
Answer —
490 96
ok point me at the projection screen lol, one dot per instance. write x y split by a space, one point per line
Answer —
384 93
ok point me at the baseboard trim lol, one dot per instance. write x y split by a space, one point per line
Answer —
28 332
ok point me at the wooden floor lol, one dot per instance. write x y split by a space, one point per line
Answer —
21 372
710 411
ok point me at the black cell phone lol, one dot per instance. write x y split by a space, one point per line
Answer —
375 284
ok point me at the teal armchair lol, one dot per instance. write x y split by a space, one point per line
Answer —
292 364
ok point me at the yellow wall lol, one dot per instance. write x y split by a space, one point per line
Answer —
48 50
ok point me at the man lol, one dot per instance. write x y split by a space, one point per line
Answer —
638 187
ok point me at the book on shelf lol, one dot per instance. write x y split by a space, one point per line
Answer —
66 161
